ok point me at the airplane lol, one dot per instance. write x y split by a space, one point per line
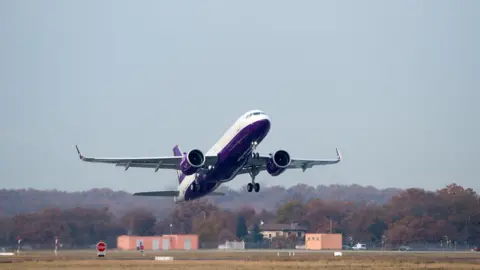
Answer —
234 154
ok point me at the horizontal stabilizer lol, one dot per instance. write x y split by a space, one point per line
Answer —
216 193
171 193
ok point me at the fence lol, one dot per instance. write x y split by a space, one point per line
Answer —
232 245
422 246
269 244
265 244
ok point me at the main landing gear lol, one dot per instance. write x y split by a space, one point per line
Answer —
196 187
253 186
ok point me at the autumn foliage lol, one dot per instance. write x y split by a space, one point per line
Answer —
412 215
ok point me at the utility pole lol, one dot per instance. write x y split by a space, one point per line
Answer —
19 239
330 225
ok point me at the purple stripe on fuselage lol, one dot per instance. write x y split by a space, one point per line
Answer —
229 158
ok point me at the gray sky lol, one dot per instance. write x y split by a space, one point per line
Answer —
392 84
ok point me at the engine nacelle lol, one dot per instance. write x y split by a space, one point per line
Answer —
192 161
278 163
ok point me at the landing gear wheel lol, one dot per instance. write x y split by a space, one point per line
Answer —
249 187
256 187
255 155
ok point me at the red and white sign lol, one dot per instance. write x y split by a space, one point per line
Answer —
101 248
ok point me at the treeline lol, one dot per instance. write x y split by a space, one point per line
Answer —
414 215
13 202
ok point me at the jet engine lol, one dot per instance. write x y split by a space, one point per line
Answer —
278 162
192 161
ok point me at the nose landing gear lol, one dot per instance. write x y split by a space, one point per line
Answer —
254 154
253 186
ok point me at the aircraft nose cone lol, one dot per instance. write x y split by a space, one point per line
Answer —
263 124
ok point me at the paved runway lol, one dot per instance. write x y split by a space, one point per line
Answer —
227 255
217 254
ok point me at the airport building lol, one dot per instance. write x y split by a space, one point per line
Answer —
319 241
275 230
163 242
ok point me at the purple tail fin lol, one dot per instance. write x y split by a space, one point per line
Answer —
177 152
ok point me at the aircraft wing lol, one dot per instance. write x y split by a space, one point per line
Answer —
172 193
167 162
296 163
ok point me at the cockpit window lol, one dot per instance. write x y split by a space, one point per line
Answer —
254 113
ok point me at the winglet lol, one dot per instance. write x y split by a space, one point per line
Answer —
339 155
79 153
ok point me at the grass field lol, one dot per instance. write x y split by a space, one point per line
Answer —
241 260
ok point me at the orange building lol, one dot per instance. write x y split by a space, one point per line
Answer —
323 241
164 242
